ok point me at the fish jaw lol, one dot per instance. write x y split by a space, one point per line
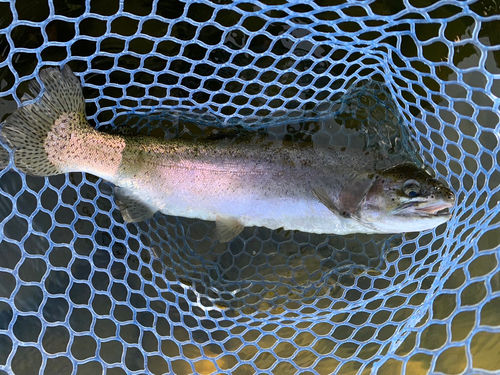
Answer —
436 209
407 224
417 217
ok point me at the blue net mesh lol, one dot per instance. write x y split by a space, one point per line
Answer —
83 293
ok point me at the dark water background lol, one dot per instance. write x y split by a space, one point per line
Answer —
92 253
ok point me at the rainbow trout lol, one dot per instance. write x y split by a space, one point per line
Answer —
272 184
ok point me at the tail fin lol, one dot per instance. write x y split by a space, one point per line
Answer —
27 129
4 158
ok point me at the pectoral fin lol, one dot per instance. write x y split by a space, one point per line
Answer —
131 207
227 228
323 197
354 192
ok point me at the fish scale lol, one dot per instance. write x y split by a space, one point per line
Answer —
272 184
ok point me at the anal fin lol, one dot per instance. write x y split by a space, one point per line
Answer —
227 228
133 209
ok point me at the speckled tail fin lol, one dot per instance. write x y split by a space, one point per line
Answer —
4 158
27 128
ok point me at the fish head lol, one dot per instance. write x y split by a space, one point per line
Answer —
405 198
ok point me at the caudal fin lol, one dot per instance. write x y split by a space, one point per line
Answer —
4 158
27 129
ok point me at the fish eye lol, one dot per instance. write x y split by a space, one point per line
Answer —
411 188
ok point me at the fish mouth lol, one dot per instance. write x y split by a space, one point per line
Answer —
441 209
436 209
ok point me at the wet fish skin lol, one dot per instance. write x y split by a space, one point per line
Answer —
263 184
274 184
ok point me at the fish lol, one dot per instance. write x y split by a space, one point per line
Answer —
266 183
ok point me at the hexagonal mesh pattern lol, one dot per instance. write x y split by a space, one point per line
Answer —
83 293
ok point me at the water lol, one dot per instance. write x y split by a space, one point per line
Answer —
91 289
